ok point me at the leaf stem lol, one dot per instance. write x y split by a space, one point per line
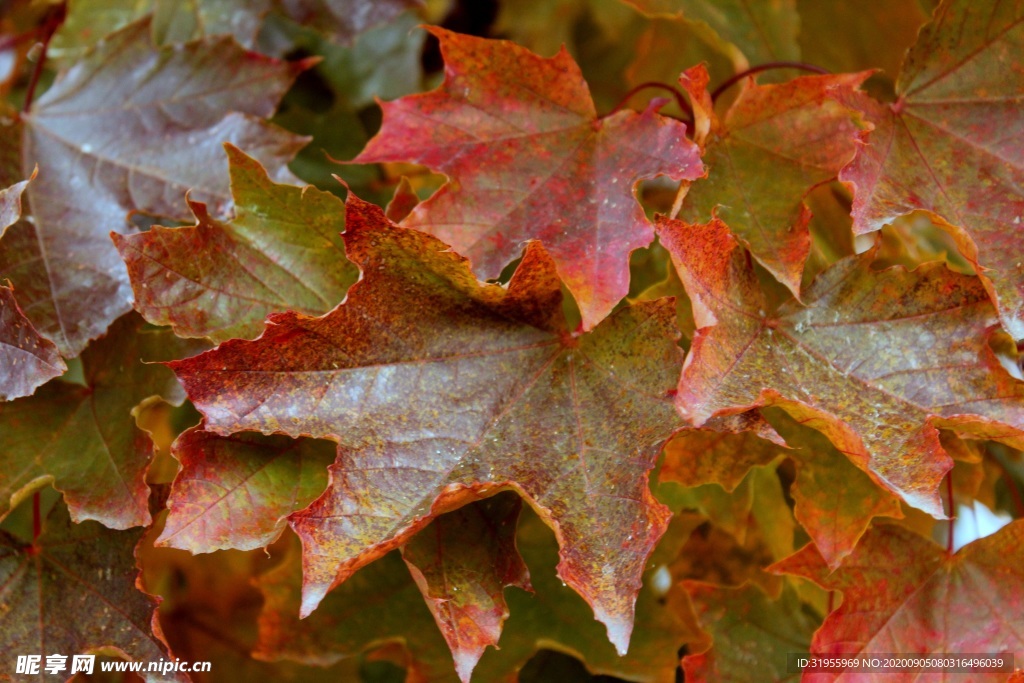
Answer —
949 496
37 518
680 98
53 22
802 66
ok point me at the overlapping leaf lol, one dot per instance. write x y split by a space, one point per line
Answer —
74 591
127 128
27 360
528 158
969 602
950 144
441 390
875 360
237 491
83 437
283 251
773 146
462 566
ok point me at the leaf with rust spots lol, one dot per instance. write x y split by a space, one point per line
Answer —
874 360
237 491
934 604
441 390
83 437
774 145
74 591
345 626
27 359
750 631
462 564
951 145
527 159
762 30
283 251
129 127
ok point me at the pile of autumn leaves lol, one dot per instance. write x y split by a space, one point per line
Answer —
439 389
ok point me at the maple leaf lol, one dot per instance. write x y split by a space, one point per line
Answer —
441 390
773 146
127 128
236 491
949 144
750 631
105 480
27 360
528 158
875 360
936 603
762 31
75 591
462 566
283 251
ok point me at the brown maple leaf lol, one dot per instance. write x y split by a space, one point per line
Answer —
441 390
